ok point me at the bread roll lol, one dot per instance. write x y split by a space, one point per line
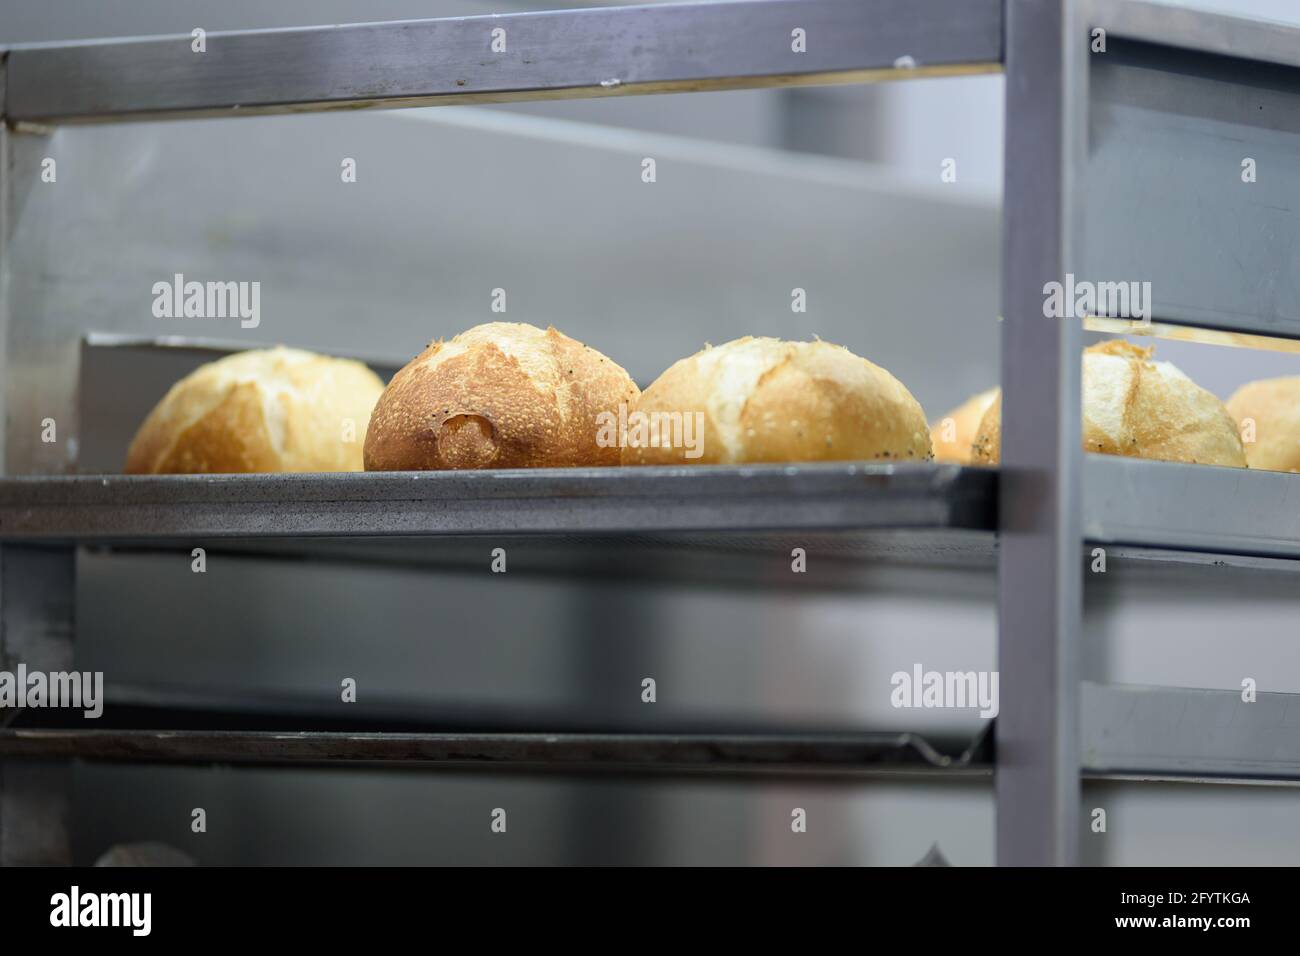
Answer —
1269 412
953 435
501 395
1139 408
986 447
265 410
765 400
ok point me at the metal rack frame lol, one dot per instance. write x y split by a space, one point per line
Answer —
1050 500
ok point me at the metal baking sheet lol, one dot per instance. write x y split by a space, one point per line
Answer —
1128 502
837 496
855 754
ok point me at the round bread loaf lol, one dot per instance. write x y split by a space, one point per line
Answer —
953 435
500 395
1268 411
1135 407
766 400
265 410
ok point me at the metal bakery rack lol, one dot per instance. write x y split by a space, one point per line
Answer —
1172 82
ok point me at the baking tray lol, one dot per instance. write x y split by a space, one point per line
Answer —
835 496
726 754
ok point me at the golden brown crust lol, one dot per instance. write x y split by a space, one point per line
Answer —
1138 408
265 410
1268 413
986 446
954 435
500 395
765 400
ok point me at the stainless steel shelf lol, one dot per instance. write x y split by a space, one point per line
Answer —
1175 733
857 510
1201 508
592 52
827 497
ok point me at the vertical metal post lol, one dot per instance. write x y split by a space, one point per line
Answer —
6 230
37 597
1040 577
